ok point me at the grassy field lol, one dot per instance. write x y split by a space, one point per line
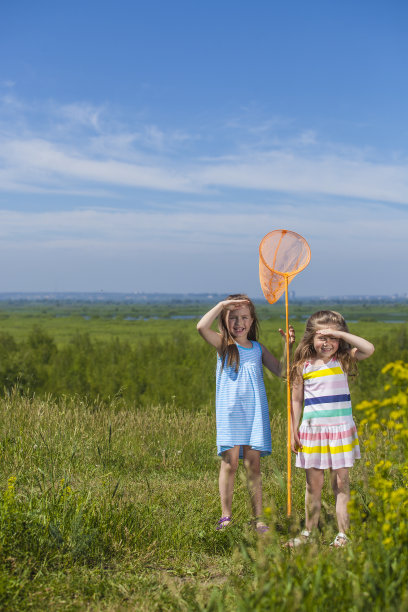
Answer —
112 505
116 509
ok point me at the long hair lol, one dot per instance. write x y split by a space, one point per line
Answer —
229 349
305 349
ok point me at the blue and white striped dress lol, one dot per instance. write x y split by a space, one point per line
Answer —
241 404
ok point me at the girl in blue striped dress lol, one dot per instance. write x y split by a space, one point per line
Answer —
243 428
327 436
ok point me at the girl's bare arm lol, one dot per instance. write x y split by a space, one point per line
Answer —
361 348
204 324
297 408
270 361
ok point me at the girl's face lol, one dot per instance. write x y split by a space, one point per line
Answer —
325 346
239 322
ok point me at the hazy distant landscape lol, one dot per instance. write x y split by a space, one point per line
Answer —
183 298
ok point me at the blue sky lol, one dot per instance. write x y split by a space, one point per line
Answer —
150 145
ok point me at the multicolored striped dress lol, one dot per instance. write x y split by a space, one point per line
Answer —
241 404
327 433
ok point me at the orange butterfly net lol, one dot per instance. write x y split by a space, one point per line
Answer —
282 255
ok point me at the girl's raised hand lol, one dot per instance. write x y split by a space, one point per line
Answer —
361 348
292 337
330 331
234 304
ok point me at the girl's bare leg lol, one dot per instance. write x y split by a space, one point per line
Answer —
252 462
313 496
341 488
229 465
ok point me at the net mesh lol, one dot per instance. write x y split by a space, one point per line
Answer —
282 253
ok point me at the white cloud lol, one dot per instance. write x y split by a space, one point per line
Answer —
291 172
81 114
84 149
212 211
40 163
231 225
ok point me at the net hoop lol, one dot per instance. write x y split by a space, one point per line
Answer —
284 232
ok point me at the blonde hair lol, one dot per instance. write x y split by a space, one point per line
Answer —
305 349
229 349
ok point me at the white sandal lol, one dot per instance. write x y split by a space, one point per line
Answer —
340 540
302 539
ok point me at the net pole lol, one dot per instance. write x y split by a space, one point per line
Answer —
289 502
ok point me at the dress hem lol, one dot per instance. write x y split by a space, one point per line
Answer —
264 452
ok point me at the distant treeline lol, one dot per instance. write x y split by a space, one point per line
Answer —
178 370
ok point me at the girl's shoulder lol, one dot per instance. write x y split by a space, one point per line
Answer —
258 347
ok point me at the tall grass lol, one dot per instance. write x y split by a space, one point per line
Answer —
159 368
106 506
120 500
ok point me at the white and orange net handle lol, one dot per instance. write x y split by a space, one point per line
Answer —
282 255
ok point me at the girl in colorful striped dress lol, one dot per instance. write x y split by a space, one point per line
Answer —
327 437
242 415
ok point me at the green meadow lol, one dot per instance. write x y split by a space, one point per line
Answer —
108 488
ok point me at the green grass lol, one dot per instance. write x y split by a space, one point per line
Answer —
139 511
115 509
62 329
